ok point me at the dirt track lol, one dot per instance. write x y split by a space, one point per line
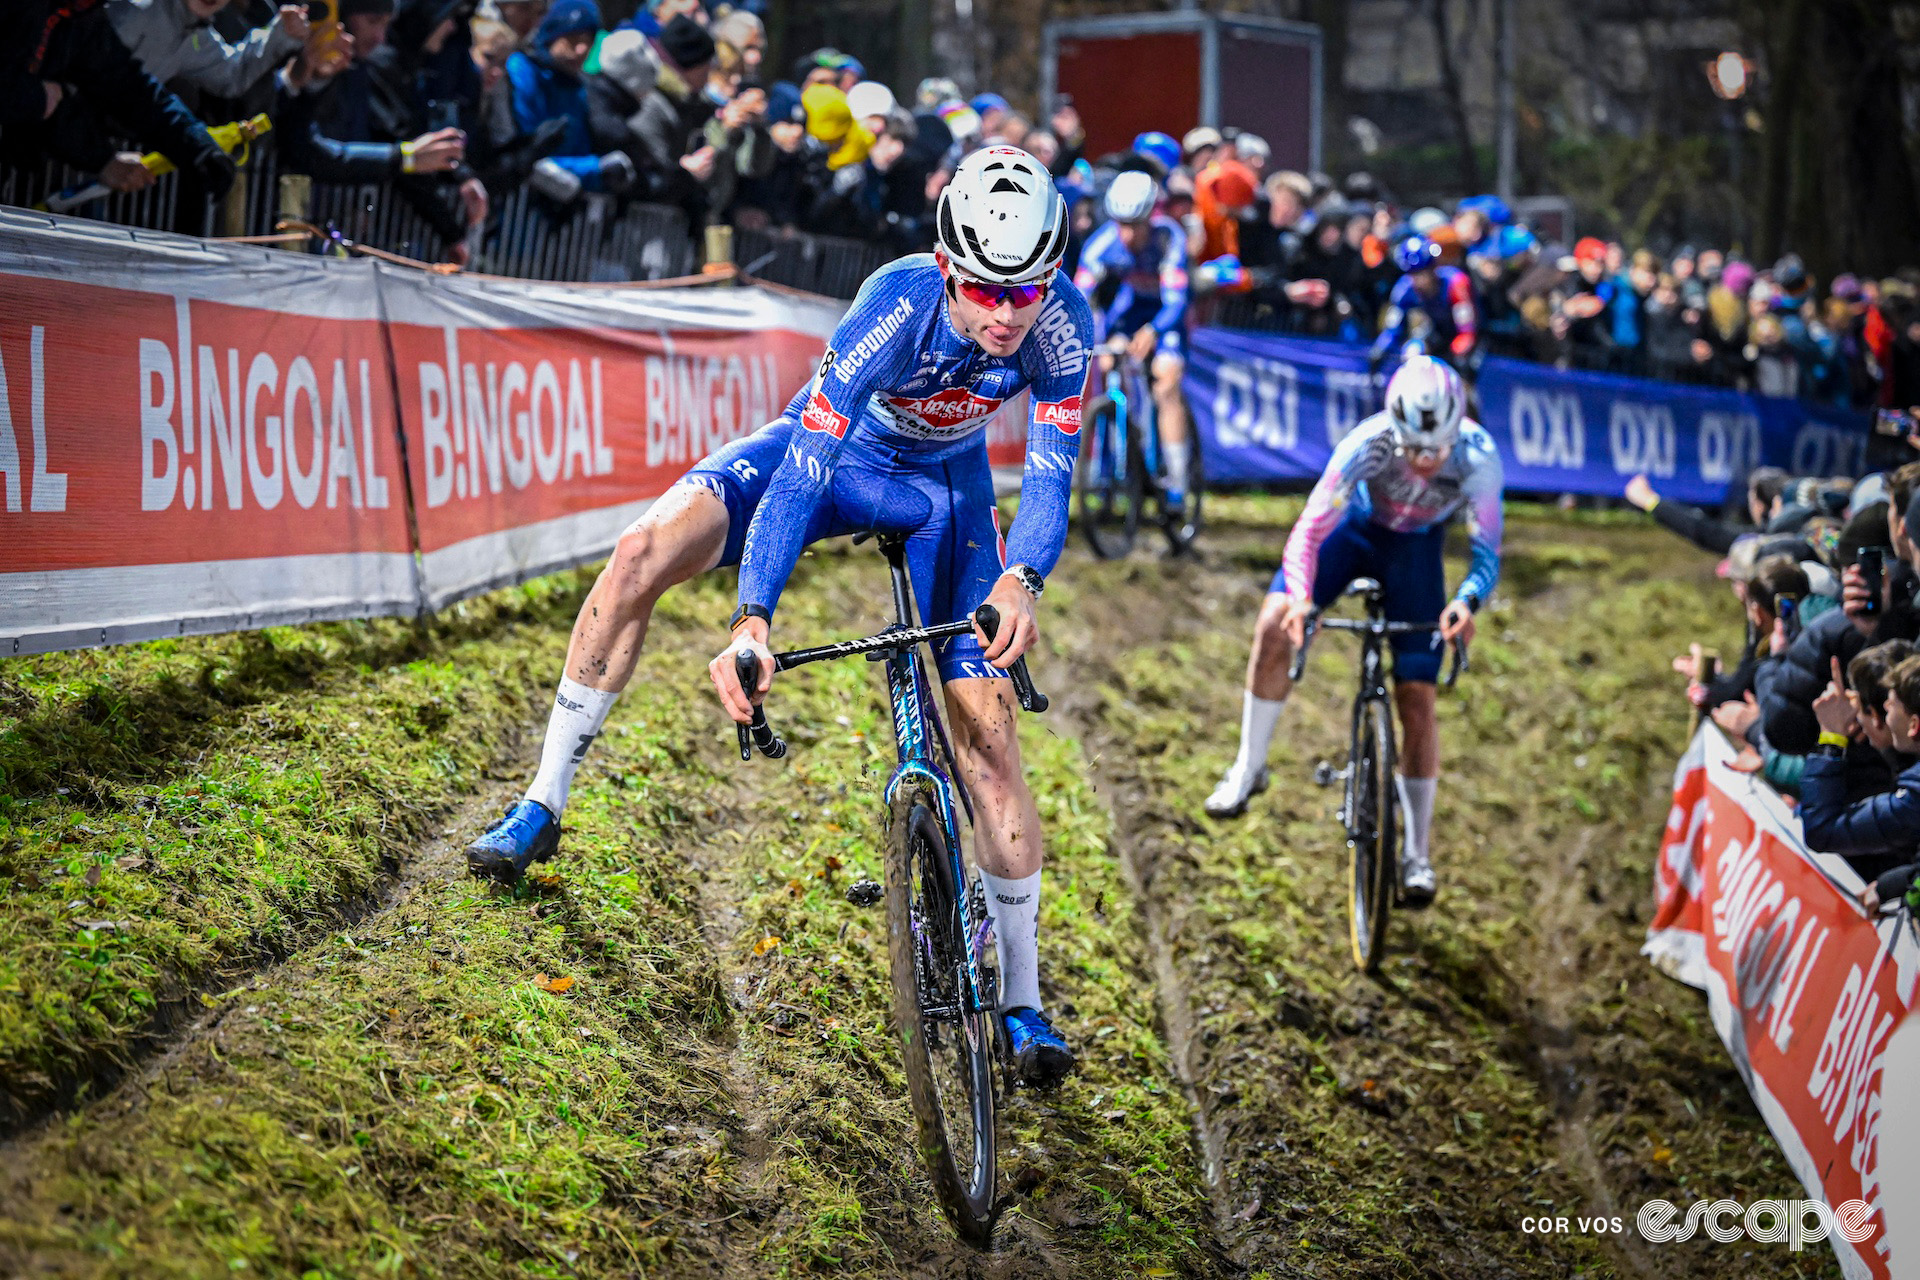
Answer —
716 1092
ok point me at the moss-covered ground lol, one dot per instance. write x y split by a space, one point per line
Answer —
255 1020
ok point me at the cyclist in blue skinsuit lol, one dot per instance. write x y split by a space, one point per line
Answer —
887 437
1134 271
1431 307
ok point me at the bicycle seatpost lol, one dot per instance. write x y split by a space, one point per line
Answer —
1031 699
759 733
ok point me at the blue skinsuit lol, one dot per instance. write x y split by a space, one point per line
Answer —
888 437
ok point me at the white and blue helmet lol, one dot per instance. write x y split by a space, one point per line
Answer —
1001 219
1131 197
1425 403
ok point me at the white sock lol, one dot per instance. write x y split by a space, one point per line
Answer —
1418 793
1258 716
1015 908
578 713
1176 460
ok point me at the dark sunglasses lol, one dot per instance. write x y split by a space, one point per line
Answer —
991 296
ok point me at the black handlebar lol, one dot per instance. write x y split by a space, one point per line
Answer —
746 665
1031 699
1457 664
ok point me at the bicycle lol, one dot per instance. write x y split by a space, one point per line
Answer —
1121 468
945 998
1370 806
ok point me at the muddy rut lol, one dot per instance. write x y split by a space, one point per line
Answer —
670 1055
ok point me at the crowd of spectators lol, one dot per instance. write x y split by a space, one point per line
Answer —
1825 695
458 102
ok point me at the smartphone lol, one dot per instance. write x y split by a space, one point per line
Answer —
1893 422
1873 563
442 113
1787 604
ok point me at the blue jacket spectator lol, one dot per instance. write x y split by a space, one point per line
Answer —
548 83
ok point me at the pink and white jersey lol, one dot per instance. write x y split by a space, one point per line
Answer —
1366 479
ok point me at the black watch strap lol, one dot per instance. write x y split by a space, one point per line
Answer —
746 611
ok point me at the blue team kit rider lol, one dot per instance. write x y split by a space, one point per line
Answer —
1380 511
1133 270
888 436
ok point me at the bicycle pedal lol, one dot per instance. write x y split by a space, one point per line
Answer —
864 893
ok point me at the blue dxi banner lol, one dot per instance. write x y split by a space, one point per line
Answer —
1270 408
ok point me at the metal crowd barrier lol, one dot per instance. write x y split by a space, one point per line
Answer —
598 238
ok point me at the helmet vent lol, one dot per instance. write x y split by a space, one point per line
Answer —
1007 184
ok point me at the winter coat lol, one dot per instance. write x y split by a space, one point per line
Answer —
172 44
72 43
1873 833
1787 683
541 92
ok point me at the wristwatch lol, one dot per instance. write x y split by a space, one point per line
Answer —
1028 578
746 611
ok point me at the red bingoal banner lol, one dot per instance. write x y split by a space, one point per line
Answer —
1811 998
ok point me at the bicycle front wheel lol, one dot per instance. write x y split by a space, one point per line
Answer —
1373 831
948 1046
1112 482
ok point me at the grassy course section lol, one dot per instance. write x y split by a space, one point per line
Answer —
173 812
671 1058
1518 1056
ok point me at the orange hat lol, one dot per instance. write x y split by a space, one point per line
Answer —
1227 184
1590 249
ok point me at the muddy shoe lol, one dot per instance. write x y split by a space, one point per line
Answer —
1416 881
1039 1054
527 833
1229 799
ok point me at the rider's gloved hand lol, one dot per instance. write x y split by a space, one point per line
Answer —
751 636
1018 630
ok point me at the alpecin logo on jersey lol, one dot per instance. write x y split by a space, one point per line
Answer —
942 411
1064 414
820 416
1066 354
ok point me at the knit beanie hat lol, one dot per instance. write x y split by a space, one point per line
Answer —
686 42
564 19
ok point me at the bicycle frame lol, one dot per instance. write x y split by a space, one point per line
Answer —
1127 382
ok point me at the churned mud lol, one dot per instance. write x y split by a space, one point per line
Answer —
669 1054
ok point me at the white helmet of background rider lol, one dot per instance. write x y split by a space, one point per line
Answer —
1131 197
1000 219
1425 403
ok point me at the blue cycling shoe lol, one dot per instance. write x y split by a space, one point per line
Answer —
1039 1054
527 833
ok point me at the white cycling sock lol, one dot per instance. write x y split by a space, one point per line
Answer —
1015 908
578 713
1258 716
1418 793
1177 466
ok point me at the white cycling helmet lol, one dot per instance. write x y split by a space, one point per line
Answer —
1000 219
1425 402
1131 197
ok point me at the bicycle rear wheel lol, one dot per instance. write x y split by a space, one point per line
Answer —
947 1046
1373 828
1111 483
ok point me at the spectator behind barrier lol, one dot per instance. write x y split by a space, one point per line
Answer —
175 39
866 201
331 126
662 127
548 83
1876 833
68 86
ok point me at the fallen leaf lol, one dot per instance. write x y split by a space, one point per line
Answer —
93 876
794 887
555 986
1662 1154
766 944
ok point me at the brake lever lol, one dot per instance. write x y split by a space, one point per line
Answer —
746 665
1299 665
1031 699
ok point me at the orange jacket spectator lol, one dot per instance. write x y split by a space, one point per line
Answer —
1220 193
